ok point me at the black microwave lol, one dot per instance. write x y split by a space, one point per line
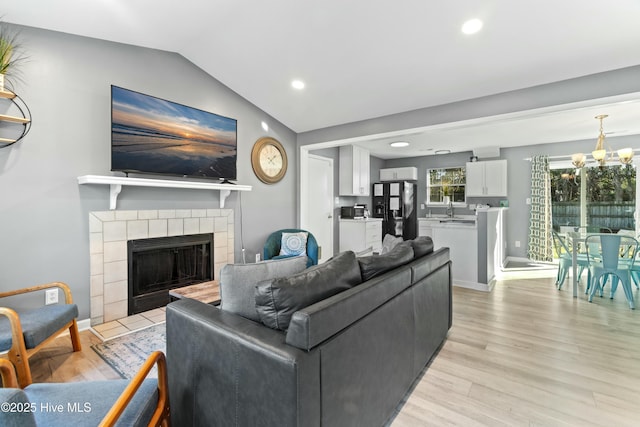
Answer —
352 212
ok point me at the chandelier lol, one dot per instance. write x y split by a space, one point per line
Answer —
625 155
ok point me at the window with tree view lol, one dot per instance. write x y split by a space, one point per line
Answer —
446 182
599 198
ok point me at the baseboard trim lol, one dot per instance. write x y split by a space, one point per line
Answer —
483 287
84 324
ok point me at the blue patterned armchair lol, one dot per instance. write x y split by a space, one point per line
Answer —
272 246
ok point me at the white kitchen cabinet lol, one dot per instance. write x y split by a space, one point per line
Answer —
486 179
425 226
399 174
354 171
360 234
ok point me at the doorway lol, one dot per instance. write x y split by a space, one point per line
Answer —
317 203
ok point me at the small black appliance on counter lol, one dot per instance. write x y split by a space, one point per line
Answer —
353 212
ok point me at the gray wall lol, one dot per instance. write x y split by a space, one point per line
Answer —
66 84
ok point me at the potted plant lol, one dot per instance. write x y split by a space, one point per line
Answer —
10 54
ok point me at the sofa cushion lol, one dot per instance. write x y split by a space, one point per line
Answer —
422 246
238 282
389 242
374 265
278 299
294 244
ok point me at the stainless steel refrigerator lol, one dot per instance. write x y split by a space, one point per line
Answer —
395 203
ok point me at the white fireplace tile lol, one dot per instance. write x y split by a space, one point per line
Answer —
105 216
137 229
220 257
97 287
175 227
96 264
116 291
167 213
115 271
97 306
206 225
226 212
191 225
126 215
182 213
213 212
114 230
198 213
220 240
115 251
115 310
147 214
220 224
158 228
95 243
95 224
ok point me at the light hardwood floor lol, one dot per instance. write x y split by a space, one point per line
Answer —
522 355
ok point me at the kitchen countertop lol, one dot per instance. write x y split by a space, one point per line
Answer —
360 219
457 221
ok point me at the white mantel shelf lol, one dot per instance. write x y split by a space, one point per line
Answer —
116 183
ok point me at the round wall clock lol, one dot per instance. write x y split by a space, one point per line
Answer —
269 160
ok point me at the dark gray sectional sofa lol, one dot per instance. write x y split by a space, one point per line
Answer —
346 360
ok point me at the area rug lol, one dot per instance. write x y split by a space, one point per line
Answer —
127 353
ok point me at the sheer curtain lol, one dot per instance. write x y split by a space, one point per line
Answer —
540 243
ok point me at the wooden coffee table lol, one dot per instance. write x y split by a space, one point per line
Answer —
206 292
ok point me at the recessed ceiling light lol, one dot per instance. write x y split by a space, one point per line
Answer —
297 84
472 26
398 144
442 152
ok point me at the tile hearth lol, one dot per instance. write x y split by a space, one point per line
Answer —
109 232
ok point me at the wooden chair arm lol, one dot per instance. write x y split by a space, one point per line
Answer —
16 329
161 413
63 286
8 373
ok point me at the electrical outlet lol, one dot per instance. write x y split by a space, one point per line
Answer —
258 258
51 296
517 243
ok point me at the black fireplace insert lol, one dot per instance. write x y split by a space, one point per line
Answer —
159 264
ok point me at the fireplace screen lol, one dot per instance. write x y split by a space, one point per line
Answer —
160 264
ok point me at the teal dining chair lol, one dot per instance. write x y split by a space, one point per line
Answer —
565 259
611 255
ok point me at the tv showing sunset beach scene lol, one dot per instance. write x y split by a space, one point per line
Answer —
155 136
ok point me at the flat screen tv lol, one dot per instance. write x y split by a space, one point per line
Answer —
152 135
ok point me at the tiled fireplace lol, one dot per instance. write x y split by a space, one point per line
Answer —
110 231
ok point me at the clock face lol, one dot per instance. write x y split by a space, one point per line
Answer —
270 160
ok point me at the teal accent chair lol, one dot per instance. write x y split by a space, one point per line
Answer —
611 254
140 401
565 259
271 248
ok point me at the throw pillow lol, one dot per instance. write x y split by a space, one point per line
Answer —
238 282
375 265
389 242
278 299
422 245
294 244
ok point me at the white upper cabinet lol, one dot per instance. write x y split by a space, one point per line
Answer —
487 179
354 171
399 174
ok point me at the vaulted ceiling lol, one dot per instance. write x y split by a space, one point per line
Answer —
362 59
